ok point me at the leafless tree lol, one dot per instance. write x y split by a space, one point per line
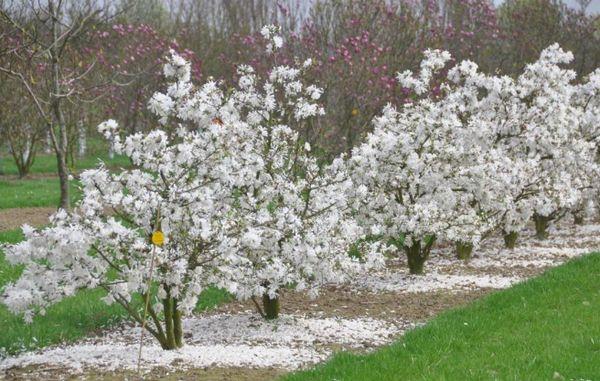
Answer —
39 36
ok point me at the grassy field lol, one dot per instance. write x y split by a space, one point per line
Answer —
33 193
547 328
68 320
44 191
47 163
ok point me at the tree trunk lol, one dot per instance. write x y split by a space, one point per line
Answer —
417 255
82 139
271 307
173 328
464 250
60 147
578 218
63 177
541 226
510 239
169 327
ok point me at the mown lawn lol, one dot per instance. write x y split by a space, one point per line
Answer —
47 163
44 191
547 328
26 193
68 320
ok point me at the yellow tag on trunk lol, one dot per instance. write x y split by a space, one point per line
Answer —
158 238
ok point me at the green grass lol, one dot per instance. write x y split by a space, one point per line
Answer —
33 192
68 320
47 163
38 192
547 328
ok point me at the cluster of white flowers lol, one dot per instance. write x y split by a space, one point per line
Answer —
489 152
271 34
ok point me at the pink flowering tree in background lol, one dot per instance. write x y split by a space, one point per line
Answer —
357 48
136 53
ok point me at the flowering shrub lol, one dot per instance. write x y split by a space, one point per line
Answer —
295 213
540 156
587 99
230 191
180 187
412 186
291 210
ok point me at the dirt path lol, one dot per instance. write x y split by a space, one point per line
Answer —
14 218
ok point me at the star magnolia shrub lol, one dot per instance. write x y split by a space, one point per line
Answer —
536 156
412 188
587 98
553 135
181 187
293 213
296 217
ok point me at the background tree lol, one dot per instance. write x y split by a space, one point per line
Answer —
43 35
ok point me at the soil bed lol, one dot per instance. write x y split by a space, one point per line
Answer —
14 218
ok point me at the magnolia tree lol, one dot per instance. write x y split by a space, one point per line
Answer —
298 228
412 184
552 135
182 188
529 149
534 126
486 152
292 211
